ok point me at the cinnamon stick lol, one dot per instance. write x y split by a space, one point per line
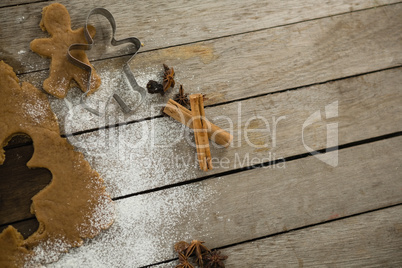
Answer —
200 131
183 115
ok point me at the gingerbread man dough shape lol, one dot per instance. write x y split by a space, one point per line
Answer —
74 205
56 21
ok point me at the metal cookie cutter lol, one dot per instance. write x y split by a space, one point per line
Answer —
126 68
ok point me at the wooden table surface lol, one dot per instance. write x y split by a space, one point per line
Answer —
311 91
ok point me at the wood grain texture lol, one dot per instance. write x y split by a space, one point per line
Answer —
25 227
368 107
162 24
369 240
245 55
254 204
264 129
18 141
8 3
250 64
18 184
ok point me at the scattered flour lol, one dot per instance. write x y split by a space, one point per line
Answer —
73 118
135 157
35 110
47 252
101 217
141 156
132 158
146 228
102 214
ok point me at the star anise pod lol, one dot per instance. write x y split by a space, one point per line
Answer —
181 246
183 262
154 87
168 78
182 98
214 259
199 249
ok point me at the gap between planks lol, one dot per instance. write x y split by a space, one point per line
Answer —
269 70
283 83
26 141
222 174
359 119
373 239
17 3
233 93
215 19
264 165
370 177
274 249
22 140
215 38
249 205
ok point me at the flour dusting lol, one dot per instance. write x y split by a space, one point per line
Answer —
132 158
47 252
146 228
36 111
137 157
50 249
73 118
99 219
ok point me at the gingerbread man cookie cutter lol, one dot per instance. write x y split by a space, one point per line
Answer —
126 68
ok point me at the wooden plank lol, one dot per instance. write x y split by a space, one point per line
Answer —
248 205
26 227
160 25
250 64
8 3
19 184
159 152
369 240
368 107
129 163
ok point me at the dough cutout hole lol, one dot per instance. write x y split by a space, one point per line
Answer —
18 184
74 206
